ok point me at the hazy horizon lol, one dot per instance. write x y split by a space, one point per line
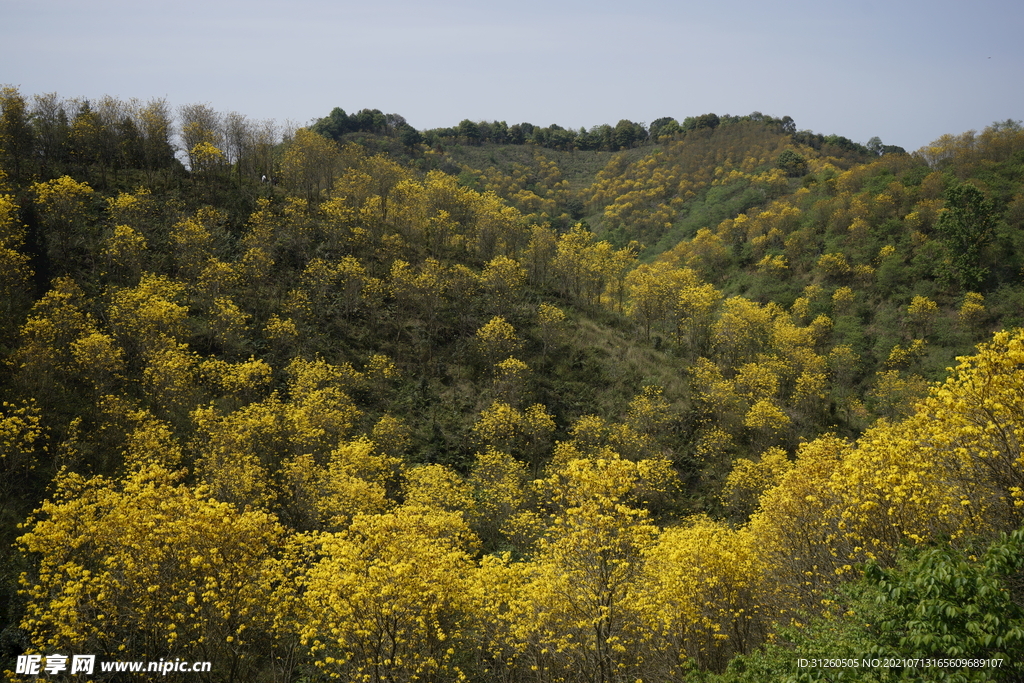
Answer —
906 72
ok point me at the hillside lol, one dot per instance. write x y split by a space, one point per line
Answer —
430 407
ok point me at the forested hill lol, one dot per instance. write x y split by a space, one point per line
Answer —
380 404
556 172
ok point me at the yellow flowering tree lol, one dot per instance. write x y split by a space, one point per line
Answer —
580 599
14 264
385 601
20 434
146 567
64 205
703 591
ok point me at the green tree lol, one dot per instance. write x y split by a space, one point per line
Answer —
666 125
91 141
16 134
792 163
52 128
627 134
940 603
470 131
936 603
155 124
966 225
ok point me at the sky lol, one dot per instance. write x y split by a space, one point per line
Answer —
906 71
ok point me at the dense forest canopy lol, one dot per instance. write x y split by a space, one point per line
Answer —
672 402
623 135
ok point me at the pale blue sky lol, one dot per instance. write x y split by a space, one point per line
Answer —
904 70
